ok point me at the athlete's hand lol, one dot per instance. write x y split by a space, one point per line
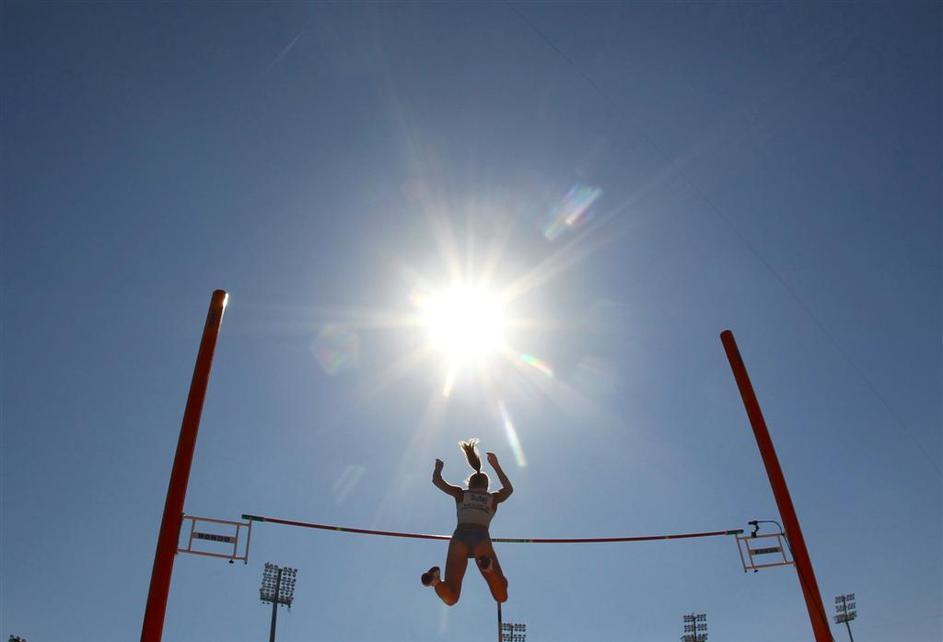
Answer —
492 459
438 465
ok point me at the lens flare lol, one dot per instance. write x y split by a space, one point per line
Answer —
346 482
337 349
595 376
513 440
536 363
449 382
573 210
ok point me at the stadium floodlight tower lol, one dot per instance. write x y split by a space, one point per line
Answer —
278 587
846 611
511 632
695 627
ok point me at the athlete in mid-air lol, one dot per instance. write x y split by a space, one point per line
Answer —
476 506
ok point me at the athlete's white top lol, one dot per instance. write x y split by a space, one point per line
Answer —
475 508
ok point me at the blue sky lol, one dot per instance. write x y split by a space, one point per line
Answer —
769 168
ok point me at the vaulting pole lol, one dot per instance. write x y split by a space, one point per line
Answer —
777 481
153 625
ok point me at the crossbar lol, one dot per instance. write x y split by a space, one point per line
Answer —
504 540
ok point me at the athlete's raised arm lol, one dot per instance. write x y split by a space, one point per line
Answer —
506 487
443 485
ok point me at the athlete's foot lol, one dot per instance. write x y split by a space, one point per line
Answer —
484 563
430 577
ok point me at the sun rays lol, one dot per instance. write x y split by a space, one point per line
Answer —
461 321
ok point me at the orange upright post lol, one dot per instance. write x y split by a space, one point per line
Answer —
810 588
153 625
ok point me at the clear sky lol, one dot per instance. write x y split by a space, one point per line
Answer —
633 179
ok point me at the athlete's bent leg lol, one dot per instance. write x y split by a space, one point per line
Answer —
450 588
494 576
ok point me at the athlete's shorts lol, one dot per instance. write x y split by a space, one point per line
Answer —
471 536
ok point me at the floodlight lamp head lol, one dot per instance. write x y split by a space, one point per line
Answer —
754 527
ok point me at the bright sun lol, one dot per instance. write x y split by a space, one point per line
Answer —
465 323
